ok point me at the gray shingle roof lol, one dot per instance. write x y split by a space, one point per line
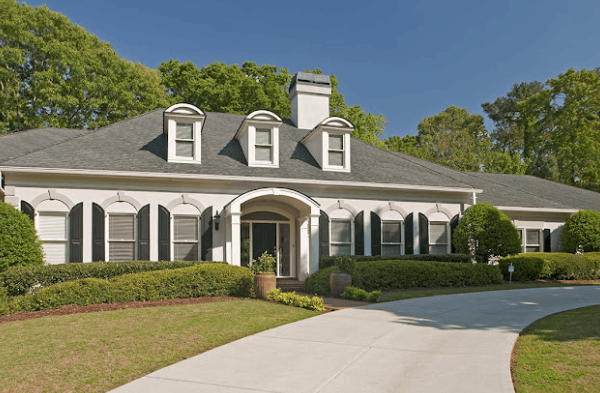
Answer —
25 142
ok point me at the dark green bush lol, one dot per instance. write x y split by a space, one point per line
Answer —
398 274
79 292
487 232
354 293
21 280
527 267
19 244
581 230
552 265
327 261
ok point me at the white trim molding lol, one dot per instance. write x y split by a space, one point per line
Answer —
341 205
121 197
391 206
185 199
52 195
438 209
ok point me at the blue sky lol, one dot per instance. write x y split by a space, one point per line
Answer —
407 60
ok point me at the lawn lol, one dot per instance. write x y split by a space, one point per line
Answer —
560 353
99 351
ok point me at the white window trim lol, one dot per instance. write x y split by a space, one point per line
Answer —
193 140
252 161
401 244
351 243
326 150
108 240
256 161
172 120
524 243
173 241
448 241
67 231
278 256
334 150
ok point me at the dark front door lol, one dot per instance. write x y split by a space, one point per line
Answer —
264 238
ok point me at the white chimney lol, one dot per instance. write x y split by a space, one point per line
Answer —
309 95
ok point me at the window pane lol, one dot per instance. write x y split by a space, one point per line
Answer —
341 249
438 249
341 232
263 153
438 233
263 136
186 252
390 250
119 252
336 142
53 226
533 236
184 131
336 158
245 243
184 149
55 253
121 227
185 228
391 232
532 249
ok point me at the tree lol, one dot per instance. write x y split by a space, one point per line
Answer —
54 73
485 231
19 245
581 232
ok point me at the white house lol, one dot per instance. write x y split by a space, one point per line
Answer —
181 184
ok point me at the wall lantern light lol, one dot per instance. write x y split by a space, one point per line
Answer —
217 218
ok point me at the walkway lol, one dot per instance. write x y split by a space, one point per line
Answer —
455 343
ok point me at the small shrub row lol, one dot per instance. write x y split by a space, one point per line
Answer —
354 293
399 274
23 279
327 261
554 266
214 279
292 299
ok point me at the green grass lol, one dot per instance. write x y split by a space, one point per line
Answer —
96 352
409 294
560 353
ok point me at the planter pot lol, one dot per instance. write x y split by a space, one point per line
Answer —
263 283
338 282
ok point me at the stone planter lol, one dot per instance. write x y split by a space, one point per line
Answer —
263 283
338 282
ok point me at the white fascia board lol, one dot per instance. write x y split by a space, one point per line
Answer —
536 209
249 179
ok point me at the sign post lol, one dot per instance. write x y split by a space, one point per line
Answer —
511 269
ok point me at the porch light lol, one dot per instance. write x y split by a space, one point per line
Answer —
217 218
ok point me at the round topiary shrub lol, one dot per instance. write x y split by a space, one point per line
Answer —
19 244
485 231
581 231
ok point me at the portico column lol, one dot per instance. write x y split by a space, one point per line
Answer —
304 237
314 241
235 238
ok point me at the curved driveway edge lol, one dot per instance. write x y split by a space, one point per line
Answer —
453 343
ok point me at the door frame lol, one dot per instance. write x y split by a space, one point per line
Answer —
291 241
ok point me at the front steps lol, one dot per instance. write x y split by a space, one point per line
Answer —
289 285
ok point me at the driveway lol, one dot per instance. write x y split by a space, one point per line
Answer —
454 343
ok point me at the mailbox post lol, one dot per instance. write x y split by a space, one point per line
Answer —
511 269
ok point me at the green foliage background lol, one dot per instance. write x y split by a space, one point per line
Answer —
19 244
582 229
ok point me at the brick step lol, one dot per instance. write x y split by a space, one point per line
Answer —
289 285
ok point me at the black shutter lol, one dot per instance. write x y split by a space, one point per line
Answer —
375 234
409 243
76 233
453 225
207 234
323 235
164 234
423 234
359 234
97 233
547 240
28 209
143 224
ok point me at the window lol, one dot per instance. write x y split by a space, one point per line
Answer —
438 238
264 145
184 140
530 240
52 228
336 150
341 237
121 237
391 238
185 238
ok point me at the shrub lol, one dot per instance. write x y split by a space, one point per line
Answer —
354 293
80 292
265 264
582 230
552 265
344 264
485 231
22 280
527 267
327 261
19 244
292 299
398 274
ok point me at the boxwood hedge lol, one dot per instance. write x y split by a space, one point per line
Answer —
455 258
554 266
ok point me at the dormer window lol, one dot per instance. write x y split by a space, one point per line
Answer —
259 137
329 144
183 128
336 150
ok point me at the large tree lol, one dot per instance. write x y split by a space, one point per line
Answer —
54 73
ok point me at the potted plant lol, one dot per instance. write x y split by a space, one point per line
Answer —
264 274
342 277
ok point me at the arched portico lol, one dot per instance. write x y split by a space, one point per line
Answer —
292 216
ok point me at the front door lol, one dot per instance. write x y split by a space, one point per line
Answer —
264 238
272 237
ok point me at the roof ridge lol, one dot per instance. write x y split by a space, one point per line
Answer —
40 128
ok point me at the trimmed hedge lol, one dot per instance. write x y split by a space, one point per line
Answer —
23 279
555 266
451 258
581 230
354 293
210 279
292 299
399 274
19 244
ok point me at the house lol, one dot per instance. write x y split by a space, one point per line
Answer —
183 184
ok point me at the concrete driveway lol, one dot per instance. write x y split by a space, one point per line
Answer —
454 343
